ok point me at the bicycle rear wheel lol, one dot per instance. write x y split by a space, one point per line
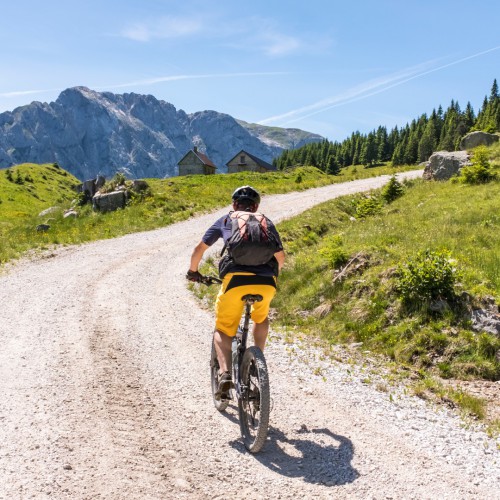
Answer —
220 404
254 403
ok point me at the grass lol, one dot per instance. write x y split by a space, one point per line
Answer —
470 406
172 200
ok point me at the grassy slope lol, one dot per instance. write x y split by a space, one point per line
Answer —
172 200
43 186
364 308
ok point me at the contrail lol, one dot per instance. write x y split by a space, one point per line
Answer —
161 79
149 81
367 89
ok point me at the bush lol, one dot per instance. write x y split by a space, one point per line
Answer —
429 276
333 252
480 170
19 179
118 179
366 206
392 190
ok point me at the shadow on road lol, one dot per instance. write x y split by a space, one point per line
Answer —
318 456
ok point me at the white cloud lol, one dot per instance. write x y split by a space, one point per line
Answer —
165 27
277 44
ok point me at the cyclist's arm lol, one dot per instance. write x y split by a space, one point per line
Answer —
197 255
280 257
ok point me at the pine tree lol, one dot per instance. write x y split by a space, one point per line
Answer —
469 116
428 142
369 151
333 168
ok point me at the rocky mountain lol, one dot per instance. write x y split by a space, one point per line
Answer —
90 133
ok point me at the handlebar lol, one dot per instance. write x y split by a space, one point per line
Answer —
210 280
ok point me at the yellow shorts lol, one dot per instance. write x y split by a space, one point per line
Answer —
229 306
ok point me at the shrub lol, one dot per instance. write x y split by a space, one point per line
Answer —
366 206
118 179
429 276
333 252
8 174
392 190
19 179
480 170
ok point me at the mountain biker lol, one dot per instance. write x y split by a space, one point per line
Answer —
238 280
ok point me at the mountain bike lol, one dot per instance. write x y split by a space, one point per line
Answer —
250 379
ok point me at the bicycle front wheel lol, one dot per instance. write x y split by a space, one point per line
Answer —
220 404
254 403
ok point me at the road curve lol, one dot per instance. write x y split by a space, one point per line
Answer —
104 385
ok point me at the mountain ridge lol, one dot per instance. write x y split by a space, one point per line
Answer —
88 133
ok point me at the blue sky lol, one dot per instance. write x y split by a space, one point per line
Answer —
324 66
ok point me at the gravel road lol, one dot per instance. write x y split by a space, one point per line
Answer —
105 392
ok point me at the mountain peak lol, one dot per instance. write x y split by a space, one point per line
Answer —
89 132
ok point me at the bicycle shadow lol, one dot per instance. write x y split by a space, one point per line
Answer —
315 460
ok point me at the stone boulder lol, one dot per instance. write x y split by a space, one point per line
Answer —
443 165
48 211
486 321
90 187
107 202
475 139
140 186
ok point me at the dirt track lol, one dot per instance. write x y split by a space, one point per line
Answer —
104 385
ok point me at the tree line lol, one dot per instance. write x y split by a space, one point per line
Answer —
413 143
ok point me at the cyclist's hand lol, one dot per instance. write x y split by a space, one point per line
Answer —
194 276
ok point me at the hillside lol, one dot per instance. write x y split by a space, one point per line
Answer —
287 138
89 132
27 189
169 201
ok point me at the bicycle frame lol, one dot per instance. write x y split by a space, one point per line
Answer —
241 345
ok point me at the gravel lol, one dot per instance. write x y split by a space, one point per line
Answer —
105 390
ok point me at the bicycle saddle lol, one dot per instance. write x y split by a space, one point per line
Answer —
252 298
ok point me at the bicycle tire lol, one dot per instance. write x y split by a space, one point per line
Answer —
219 404
254 403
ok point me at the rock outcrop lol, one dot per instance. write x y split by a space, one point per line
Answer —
89 133
443 165
108 202
478 138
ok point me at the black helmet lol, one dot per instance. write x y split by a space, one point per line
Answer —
246 194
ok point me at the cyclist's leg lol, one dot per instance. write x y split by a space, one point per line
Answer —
223 348
228 310
260 331
260 311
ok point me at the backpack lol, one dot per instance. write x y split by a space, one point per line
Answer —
251 242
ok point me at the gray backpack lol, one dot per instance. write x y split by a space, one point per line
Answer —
251 242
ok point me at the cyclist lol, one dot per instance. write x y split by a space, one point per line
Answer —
238 280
